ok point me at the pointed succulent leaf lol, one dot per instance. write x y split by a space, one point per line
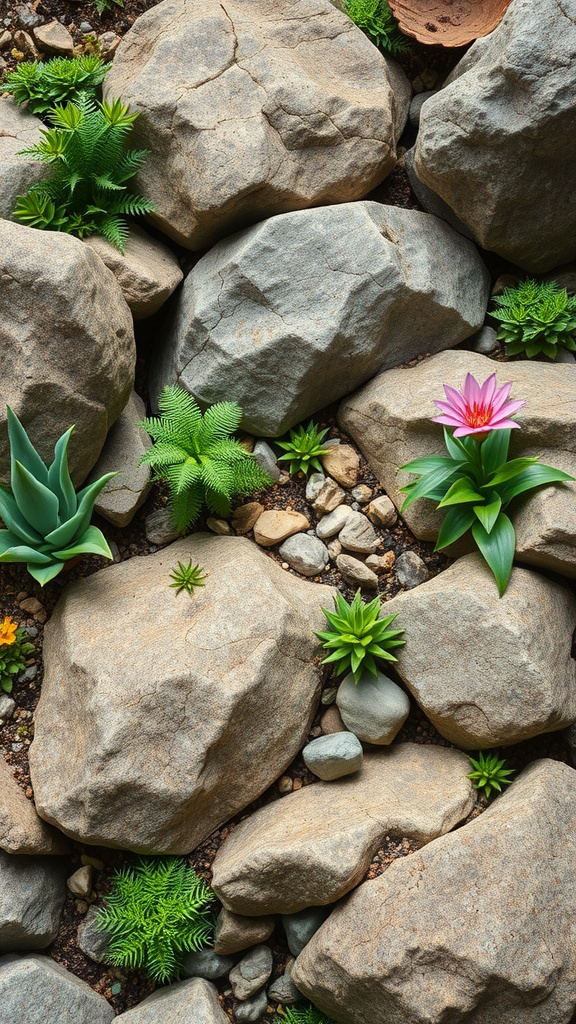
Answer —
59 478
534 476
92 542
15 521
488 514
43 574
36 502
22 449
64 535
20 552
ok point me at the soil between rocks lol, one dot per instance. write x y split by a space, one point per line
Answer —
124 989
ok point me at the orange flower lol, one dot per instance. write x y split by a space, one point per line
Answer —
8 631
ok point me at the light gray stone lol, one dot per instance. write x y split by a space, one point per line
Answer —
374 709
7 706
147 271
271 316
194 1000
21 830
68 352
18 130
501 669
307 555
160 528
301 926
358 534
484 342
302 109
35 990
124 446
283 990
315 844
329 496
416 105
92 940
207 964
410 569
475 927
356 572
154 743
32 893
234 933
252 1010
314 486
332 523
333 756
266 459
252 972
391 421
487 144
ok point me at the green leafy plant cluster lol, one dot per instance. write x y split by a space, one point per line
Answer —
195 453
302 1015
157 911
536 318
376 20
304 448
187 577
44 85
476 483
489 773
47 522
358 638
103 6
86 193
14 649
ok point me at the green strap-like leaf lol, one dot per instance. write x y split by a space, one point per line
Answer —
497 548
22 449
494 450
15 521
534 476
488 514
11 550
456 523
92 542
429 484
36 502
64 535
427 464
459 493
59 478
510 470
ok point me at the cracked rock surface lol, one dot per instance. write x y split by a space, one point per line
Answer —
313 846
488 144
254 107
18 129
34 990
477 926
295 312
177 711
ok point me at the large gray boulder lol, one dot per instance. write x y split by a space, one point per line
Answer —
290 315
476 927
497 143
391 421
254 109
195 1001
488 670
177 711
32 893
125 445
35 990
314 845
18 130
67 350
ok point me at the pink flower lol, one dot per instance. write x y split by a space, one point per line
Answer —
479 409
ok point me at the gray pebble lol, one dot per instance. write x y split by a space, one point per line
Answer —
91 941
266 459
252 1011
207 964
7 706
416 107
314 485
374 709
484 341
564 356
159 528
300 927
331 524
28 674
27 16
332 757
307 555
355 572
252 972
283 990
85 27
411 570
358 534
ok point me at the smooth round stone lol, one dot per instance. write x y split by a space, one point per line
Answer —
205 963
335 755
374 709
252 1011
307 555
330 525
301 926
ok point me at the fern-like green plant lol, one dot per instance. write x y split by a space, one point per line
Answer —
102 6
376 20
535 318
43 85
157 910
87 193
302 1015
195 453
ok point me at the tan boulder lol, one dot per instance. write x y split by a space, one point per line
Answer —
18 130
147 271
21 830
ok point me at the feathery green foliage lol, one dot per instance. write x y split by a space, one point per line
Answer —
535 318
303 1015
187 577
102 6
47 522
358 637
376 20
157 910
196 455
14 649
304 449
87 193
489 773
60 80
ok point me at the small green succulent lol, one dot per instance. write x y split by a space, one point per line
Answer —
535 318
47 522
187 577
196 455
376 20
42 85
14 649
489 773
358 637
304 1015
157 910
304 448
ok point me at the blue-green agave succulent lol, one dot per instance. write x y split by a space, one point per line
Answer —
47 522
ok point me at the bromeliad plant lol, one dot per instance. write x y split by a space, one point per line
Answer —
536 318
87 193
43 85
14 649
376 20
475 482
358 637
47 522
157 910
195 453
304 448
489 773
